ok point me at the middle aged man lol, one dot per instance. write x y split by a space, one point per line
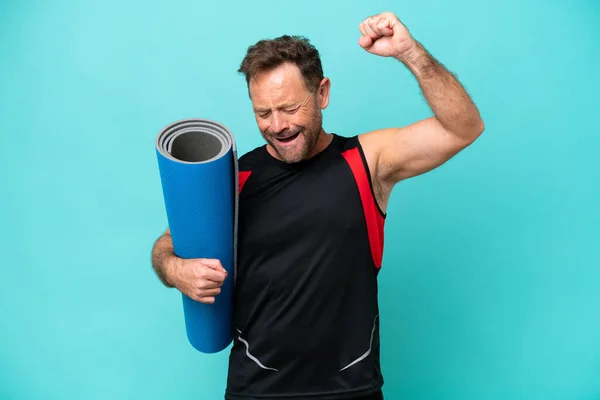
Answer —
311 218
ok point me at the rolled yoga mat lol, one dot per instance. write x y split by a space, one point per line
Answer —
198 167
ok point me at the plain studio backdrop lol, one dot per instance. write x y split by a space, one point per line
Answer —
490 284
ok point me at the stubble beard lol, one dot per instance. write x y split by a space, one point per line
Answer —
308 137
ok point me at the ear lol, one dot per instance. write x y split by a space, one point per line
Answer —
323 93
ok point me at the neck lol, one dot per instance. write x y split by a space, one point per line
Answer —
323 141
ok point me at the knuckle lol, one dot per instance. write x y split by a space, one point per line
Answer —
200 275
200 271
201 284
194 296
195 274
192 265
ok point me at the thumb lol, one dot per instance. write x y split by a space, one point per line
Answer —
214 264
365 42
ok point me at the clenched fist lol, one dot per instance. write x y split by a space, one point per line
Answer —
384 35
198 278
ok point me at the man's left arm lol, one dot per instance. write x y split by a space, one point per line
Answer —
395 154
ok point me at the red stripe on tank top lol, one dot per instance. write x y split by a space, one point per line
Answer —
375 221
242 178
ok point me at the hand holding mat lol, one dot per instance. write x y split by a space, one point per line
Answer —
198 168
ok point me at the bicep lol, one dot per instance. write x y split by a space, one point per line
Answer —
413 150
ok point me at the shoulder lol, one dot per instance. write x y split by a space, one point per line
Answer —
368 144
344 143
248 164
362 144
252 159
372 143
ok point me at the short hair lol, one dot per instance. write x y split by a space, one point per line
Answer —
268 54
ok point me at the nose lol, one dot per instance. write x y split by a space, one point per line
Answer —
278 123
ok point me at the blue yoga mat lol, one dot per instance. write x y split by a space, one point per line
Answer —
198 167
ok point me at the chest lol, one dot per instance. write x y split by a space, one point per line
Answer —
314 203
302 234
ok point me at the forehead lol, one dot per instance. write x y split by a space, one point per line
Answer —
283 84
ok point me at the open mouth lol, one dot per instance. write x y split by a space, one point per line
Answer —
288 139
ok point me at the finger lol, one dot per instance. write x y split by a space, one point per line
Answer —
373 25
207 284
210 269
214 275
203 297
369 31
206 300
214 264
365 42
361 28
384 26
209 292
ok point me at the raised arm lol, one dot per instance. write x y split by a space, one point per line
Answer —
399 153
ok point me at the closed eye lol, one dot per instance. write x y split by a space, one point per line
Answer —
292 110
264 114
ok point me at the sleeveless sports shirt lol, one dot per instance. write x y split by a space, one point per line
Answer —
309 251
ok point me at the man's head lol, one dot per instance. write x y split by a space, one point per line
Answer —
288 91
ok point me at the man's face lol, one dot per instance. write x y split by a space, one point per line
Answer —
287 113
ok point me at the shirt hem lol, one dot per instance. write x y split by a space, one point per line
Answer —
365 391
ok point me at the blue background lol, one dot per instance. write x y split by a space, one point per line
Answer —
489 288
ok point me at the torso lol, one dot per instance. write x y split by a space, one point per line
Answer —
309 252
